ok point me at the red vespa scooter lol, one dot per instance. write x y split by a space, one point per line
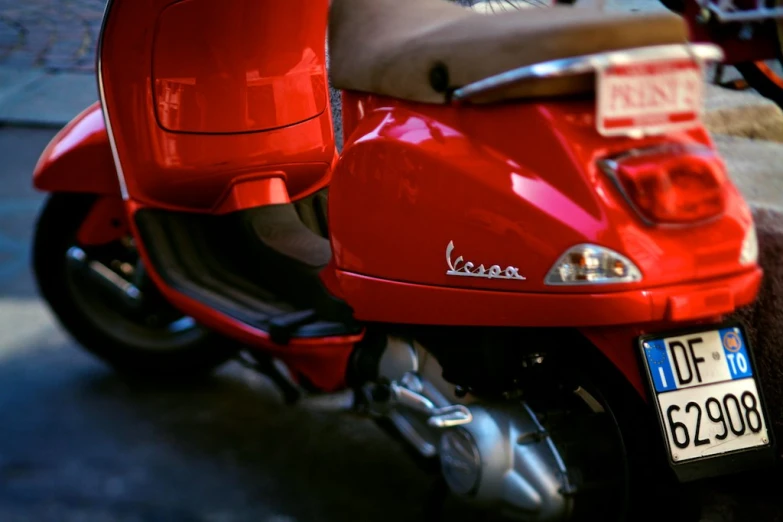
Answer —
529 246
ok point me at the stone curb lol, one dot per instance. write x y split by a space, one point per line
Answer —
756 168
764 317
35 98
744 114
14 81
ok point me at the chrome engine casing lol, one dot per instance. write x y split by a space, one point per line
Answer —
489 453
517 462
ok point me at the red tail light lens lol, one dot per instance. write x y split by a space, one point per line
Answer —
674 185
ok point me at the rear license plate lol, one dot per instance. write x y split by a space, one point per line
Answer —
706 391
649 98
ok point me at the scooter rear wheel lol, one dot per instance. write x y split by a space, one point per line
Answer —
154 341
611 451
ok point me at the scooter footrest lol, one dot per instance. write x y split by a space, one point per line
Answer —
203 258
283 327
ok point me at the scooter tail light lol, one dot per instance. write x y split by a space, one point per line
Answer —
592 265
673 185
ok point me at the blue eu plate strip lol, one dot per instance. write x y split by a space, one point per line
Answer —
660 366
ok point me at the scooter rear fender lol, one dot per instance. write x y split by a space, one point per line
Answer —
450 189
79 158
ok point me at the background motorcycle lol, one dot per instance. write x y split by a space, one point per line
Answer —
749 31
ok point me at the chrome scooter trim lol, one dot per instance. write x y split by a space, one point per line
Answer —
102 95
588 63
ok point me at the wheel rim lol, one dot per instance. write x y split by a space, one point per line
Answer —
600 457
156 326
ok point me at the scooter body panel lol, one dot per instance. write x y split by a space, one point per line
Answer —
422 178
212 92
264 66
408 303
79 158
512 186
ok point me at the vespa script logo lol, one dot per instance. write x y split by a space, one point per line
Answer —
459 267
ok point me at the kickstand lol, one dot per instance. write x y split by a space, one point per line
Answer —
734 85
266 366
717 79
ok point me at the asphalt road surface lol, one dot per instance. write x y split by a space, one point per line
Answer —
78 444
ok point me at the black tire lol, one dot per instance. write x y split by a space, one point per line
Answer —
132 348
765 81
647 473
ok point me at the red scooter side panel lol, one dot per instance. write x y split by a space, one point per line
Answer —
252 56
435 169
618 344
225 110
408 303
254 192
106 222
322 360
79 159
507 185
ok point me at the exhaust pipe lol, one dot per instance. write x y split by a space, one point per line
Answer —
114 285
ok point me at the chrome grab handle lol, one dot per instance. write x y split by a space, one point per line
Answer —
703 52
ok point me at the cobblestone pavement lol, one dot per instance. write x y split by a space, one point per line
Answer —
58 35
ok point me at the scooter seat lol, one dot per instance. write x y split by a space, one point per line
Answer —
418 50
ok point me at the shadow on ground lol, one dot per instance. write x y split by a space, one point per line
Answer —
76 438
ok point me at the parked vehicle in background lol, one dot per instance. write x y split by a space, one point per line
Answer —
750 32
